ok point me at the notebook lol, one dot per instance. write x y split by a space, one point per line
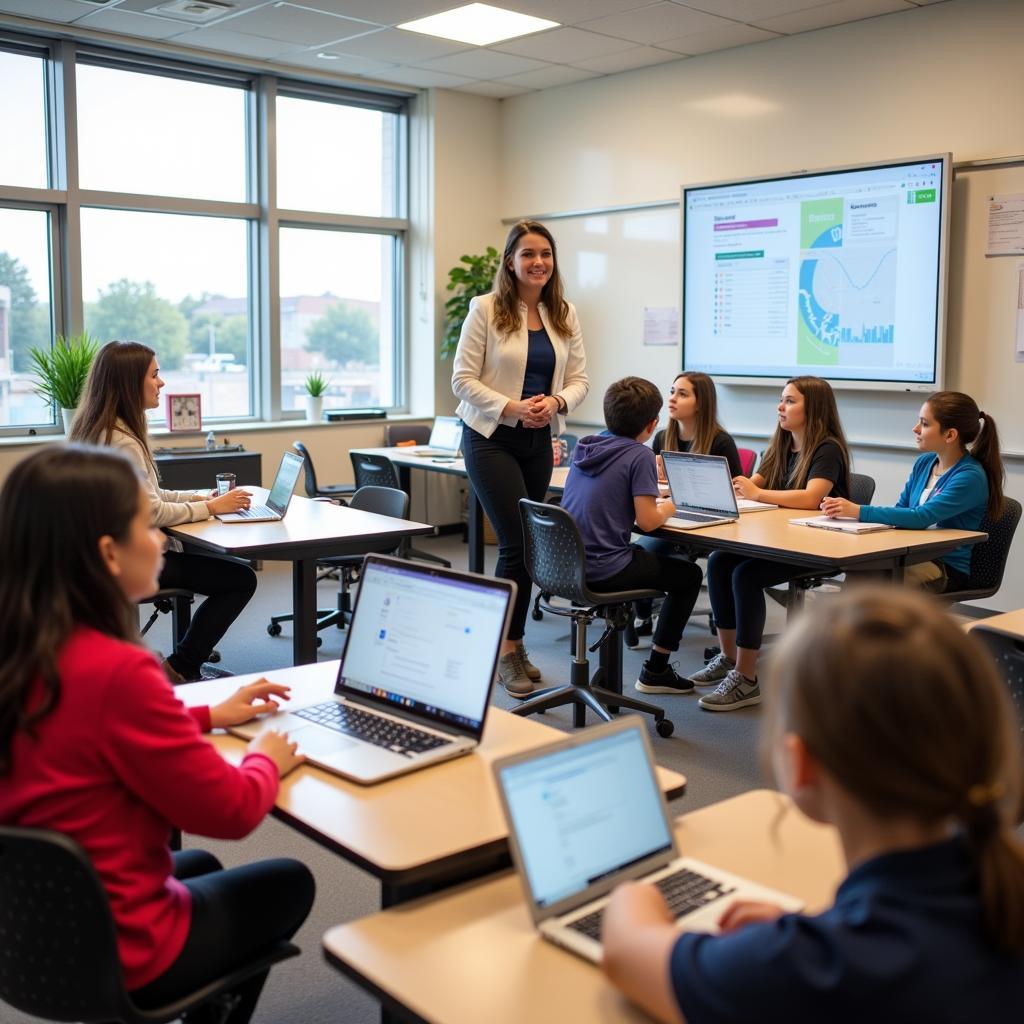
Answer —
445 439
840 524
585 814
277 501
415 676
702 491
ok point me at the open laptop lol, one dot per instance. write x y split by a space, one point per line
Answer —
415 677
702 491
445 439
587 813
277 501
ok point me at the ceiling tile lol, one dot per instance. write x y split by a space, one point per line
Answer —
496 90
547 78
344 65
832 14
481 62
394 44
569 12
563 45
47 10
232 42
718 39
655 22
628 60
132 24
752 10
423 78
146 7
383 12
289 24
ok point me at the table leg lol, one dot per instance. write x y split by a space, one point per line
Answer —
304 609
475 515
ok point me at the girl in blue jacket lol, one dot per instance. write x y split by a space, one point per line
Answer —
956 480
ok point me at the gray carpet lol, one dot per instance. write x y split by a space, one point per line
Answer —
716 752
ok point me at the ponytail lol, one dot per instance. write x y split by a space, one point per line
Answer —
986 451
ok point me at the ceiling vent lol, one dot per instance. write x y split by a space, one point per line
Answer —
197 11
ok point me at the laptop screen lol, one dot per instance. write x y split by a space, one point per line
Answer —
700 481
447 433
426 640
584 812
284 482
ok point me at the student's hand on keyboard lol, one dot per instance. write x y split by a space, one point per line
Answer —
746 488
280 750
230 502
744 912
247 702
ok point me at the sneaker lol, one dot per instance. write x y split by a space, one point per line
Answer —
733 692
531 670
638 635
668 680
714 671
512 675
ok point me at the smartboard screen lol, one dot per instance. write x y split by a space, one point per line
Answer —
837 273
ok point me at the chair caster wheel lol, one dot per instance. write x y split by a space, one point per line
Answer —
214 657
274 629
536 615
664 728
319 641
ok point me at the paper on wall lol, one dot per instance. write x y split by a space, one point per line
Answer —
661 325
1005 225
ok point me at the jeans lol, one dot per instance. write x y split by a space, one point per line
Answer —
237 914
513 463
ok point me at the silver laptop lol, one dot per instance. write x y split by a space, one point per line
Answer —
415 677
277 501
701 489
445 439
587 813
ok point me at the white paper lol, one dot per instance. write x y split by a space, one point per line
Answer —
661 325
1018 349
1005 225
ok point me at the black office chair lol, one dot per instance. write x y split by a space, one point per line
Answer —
337 492
384 501
177 603
58 954
402 433
556 562
988 559
371 470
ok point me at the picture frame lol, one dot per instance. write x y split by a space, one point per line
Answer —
184 412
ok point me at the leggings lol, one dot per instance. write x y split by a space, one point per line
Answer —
513 463
237 914
736 588
229 584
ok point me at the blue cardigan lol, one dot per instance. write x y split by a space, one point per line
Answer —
957 502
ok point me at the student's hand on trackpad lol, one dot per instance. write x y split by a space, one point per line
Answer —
279 748
247 702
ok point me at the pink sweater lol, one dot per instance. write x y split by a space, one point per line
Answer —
115 765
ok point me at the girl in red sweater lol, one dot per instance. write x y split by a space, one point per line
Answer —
95 744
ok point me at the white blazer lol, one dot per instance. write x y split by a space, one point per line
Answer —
490 367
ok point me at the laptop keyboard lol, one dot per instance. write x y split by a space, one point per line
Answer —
697 517
381 732
684 892
255 512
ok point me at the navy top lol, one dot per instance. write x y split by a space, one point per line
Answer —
540 364
903 942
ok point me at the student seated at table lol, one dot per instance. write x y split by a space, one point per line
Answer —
956 480
612 484
806 461
123 383
929 923
95 744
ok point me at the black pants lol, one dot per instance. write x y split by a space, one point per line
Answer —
664 549
228 584
513 463
237 914
679 579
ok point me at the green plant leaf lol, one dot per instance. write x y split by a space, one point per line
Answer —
62 371
475 278
317 384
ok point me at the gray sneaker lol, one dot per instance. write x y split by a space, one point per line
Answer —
733 692
512 675
714 671
531 670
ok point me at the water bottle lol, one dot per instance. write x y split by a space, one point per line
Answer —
211 442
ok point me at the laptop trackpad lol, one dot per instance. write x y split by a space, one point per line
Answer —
316 741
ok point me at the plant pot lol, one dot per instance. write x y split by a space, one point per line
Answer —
67 415
314 407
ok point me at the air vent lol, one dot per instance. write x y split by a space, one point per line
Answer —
197 11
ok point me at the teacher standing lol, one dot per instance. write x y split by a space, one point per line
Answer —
519 368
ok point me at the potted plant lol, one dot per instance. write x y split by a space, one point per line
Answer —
475 278
316 387
61 372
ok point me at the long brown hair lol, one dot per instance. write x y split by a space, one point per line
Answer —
821 423
114 392
707 427
54 507
832 684
953 410
507 318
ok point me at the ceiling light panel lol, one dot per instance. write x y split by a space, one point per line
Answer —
478 24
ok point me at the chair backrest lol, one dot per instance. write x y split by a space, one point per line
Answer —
384 501
307 465
747 459
419 433
553 549
988 559
374 470
58 952
862 488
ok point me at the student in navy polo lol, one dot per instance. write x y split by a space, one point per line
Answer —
929 923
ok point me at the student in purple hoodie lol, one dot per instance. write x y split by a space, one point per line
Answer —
612 484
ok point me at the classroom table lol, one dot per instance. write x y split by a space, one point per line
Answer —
310 530
473 955
416 833
1010 624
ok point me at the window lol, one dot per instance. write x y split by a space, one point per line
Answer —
23 116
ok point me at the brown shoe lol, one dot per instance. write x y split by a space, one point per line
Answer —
531 670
